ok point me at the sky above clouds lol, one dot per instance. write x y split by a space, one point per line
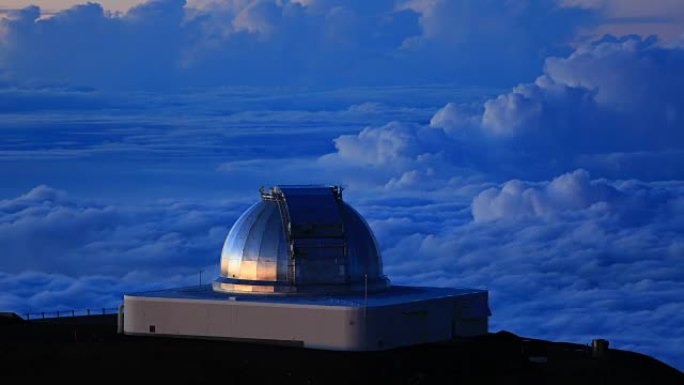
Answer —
533 148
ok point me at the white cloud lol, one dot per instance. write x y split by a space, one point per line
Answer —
390 145
609 101
610 107
164 44
259 17
85 46
516 199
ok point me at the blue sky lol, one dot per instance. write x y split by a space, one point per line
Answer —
533 148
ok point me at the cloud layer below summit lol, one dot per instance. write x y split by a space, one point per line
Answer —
547 167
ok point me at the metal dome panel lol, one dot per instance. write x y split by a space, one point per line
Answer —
254 247
300 239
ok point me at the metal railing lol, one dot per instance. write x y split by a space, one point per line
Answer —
70 313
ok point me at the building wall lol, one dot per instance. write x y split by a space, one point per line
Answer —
425 321
318 327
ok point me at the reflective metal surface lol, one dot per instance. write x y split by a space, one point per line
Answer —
300 239
255 245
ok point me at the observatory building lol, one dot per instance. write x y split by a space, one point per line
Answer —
301 267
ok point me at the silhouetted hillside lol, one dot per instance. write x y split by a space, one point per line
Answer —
88 349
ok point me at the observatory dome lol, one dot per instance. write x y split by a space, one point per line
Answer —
297 240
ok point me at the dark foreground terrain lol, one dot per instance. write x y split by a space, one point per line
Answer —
87 349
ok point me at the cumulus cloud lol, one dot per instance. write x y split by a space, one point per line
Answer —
168 43
85 46
389 145
610 79
398 157
516 199
487 32
610 107
162 44
606 103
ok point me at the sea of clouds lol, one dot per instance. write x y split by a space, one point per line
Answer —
555 179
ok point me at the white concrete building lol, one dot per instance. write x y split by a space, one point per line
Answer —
302 267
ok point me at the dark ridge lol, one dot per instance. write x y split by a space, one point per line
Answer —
9 318
88 349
